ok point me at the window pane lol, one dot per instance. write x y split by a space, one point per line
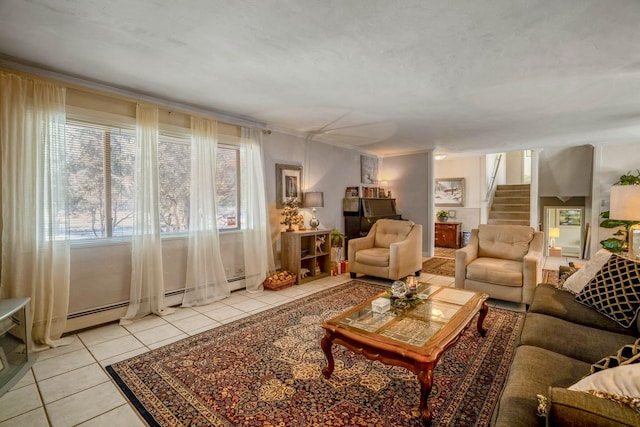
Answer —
85 153
174 169
122 166
227 188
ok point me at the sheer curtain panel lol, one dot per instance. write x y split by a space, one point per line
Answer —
256 233
35 241
206 281
147 283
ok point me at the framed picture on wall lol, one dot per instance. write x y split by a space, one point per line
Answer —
288 184
569 217
368 170
449 192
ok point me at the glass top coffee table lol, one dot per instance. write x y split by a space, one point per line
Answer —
413 336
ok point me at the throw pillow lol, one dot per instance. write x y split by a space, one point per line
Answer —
577 281
628 354
615 290
621 380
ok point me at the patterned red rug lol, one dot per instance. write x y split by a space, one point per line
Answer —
266 370
440 266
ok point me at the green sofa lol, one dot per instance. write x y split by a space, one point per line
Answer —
559 341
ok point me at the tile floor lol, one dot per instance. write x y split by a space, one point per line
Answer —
68 386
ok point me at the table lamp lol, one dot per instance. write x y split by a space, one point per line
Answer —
625 206
554 233
314 199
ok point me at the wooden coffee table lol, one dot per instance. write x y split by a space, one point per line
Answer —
414 337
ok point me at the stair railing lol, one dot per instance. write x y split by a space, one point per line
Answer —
492 181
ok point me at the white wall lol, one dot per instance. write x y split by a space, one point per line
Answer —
472 169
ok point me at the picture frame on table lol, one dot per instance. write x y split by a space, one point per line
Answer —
288 184
449 192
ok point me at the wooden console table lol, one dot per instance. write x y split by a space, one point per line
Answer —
448 234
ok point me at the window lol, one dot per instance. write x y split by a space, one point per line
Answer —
101 166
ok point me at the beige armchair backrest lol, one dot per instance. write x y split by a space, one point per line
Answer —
504 242
391 231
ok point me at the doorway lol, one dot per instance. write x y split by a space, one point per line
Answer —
563 227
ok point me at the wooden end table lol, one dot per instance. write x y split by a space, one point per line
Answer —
413 338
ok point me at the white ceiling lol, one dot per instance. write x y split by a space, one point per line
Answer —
385 76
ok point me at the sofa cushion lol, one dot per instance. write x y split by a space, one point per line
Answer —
497 271
621 380
615 290
504 241
570 339
579 279
555 302
378 257
391 231
532 371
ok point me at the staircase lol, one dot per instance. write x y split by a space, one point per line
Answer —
511 205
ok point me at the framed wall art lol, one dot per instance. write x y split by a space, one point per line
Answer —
368 170
288 184
449 192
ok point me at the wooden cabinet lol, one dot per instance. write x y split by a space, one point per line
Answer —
307 254
448 234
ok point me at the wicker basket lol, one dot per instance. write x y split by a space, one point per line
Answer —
276 286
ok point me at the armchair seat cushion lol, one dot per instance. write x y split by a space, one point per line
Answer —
378 257
497 271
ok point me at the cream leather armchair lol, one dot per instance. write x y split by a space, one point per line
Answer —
504 261
392 249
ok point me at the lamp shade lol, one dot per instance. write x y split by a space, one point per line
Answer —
624 204
314 199
554 233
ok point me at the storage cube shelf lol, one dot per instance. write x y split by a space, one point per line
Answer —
307 254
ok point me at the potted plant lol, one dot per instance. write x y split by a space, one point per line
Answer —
337 241
442 215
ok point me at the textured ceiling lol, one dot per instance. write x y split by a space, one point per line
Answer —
388 77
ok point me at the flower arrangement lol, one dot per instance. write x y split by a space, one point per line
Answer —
290 213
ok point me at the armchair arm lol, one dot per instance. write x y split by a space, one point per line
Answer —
361 243
406 252
464 256
532 267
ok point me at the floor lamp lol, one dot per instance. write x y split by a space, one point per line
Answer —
625 206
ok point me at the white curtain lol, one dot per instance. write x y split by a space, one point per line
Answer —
206 281
35 245
147 283
256 233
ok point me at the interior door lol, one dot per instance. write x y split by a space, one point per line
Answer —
569 221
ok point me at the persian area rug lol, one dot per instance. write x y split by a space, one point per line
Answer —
444 252
266 370
440 266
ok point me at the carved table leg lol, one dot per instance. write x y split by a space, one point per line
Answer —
326 343
426 382
483 313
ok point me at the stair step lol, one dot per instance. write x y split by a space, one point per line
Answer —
524 216
510 207
507 222
511 200
513 187
512 193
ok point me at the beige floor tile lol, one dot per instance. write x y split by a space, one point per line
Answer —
148 322
273 298
249 305
33 418
236 299
20 401
223 313
171 340
26 380
159 333
72 382
193 323
209 307
102 334
60 364
180 313
234 318
124 356
73 410
124 416
114 347
75 344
